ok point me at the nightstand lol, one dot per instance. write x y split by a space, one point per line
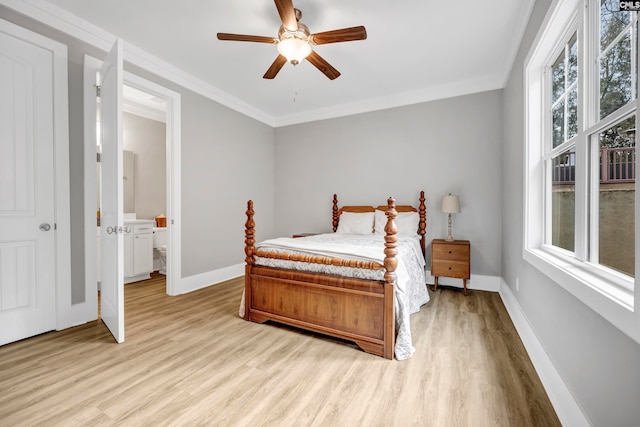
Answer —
451 259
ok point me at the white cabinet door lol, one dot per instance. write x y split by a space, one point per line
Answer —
142 253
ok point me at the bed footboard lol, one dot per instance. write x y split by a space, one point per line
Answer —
357 310
351 309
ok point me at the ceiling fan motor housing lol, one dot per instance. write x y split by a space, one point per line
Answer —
297 41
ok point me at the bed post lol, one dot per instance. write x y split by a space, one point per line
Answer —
249 250
335 212
390 265
422 225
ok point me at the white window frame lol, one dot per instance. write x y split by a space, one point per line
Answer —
606 292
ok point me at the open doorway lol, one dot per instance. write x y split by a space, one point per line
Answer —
144 182
151 106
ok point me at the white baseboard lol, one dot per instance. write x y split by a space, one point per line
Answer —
568 410
477 281
199 281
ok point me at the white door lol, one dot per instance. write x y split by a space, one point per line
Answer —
27 197
111 213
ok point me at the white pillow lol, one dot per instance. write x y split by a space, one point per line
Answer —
380 222
355 223
407 223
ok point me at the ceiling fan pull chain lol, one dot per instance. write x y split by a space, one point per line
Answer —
295 84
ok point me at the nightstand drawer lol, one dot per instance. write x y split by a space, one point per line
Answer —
456 269
450 252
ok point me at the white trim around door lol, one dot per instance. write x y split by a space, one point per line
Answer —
174 165
173 146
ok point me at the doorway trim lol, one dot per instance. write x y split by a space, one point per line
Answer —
173 166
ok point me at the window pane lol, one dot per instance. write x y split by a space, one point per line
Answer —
563 200
618 47
572 72
557 78
558 124
572 113
615 77
612 22
616 217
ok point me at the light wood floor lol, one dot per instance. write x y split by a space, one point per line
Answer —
190 360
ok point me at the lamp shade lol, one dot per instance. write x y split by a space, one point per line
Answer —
294 49
450 204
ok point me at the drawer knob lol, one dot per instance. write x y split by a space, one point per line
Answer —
449 268
449 251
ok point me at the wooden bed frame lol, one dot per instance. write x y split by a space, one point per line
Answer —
357 310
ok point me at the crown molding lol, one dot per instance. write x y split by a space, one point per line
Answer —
59 19
430 93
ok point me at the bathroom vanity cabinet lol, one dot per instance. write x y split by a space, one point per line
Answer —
138 250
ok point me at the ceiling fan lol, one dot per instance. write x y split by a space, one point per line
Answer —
294 41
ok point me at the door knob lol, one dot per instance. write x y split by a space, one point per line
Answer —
45 227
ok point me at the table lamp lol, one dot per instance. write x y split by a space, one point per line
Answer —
450 205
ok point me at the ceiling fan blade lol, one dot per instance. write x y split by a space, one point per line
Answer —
247 38
323 65
275 67
287 14
336 36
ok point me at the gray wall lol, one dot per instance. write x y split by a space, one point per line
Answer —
599 364
227 159
146 138
450 145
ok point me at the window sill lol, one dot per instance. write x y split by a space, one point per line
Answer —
601 294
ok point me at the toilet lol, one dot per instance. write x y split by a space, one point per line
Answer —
160 249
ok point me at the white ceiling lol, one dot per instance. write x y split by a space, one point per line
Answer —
416 50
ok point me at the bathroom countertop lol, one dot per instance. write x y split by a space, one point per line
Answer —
138 221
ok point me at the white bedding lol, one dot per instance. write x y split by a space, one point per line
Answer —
410 290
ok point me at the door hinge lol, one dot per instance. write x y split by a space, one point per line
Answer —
55 226
98 157
98 90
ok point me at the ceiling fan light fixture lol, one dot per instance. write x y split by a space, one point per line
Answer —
294 49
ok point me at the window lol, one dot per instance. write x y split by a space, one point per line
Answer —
560 159
581 106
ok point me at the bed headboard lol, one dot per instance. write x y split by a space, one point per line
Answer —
422 211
